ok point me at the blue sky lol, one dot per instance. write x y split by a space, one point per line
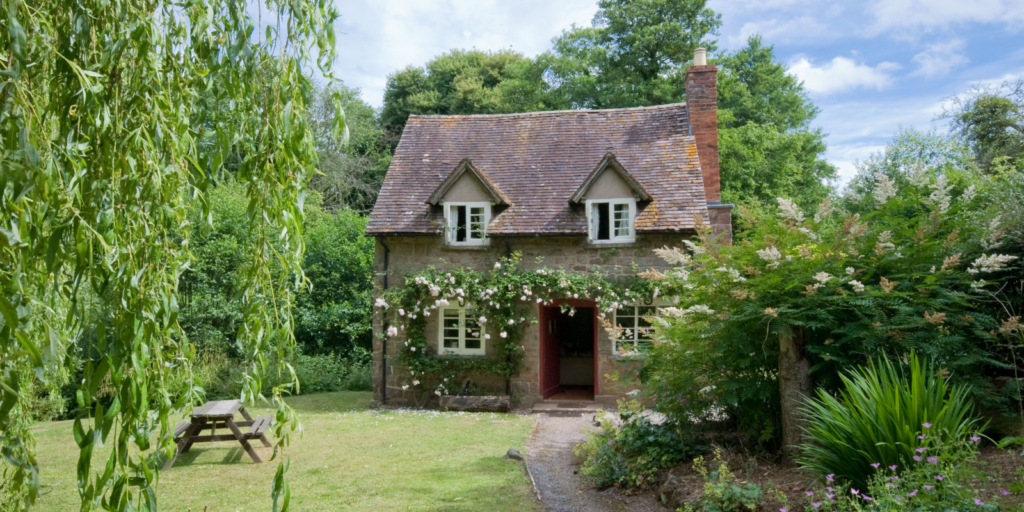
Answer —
870 66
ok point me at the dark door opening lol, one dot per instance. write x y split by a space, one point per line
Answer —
568 366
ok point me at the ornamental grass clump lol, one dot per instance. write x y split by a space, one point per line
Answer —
885 416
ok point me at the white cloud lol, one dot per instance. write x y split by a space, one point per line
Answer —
775 31
842 73
931 14
939 58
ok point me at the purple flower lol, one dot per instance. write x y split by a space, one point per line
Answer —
809 493
899 499
875 465
830 496
933 460
830 489
979 502
869 498
921 450
939 477
918 458
922 436
783 510
817 505
926 425
829 476
1004 492
854 491
893 467
975 439
911 494
929 487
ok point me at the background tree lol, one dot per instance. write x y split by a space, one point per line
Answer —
99 123
464 82
634 54
767 146
991 122
350 172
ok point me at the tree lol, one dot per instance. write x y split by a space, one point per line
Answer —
104 145
634 54
349 174
464 82
768 148
991 122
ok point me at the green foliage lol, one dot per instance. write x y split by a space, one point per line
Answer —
630 454
882 416
902 277
500 298
721 491
349 173
104 145
634 54
768 149
221 377
991 122
464 82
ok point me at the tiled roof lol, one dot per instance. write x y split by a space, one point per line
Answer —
538 160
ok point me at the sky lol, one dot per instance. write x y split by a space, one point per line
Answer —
871 66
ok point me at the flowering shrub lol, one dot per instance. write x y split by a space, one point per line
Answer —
882 418
500 299
630 454
941 478
852 287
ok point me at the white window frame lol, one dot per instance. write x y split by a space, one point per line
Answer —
464 313
613 237
636 341
450 220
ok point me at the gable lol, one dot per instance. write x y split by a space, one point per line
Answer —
537 161
612 182
608 186
467 188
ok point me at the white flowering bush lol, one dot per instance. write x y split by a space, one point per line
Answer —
906 275
501 298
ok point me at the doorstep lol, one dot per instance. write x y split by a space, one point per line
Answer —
566 408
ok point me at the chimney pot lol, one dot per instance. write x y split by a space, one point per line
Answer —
700 57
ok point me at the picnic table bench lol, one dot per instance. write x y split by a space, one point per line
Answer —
219 414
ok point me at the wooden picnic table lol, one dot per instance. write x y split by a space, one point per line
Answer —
219 414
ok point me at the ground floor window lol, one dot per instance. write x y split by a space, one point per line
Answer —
460 332
636 326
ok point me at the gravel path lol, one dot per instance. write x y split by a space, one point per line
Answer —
553 465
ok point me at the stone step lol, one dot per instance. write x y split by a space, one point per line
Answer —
566 408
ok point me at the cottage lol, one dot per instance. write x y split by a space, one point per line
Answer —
577 189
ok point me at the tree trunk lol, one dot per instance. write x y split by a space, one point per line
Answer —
794 387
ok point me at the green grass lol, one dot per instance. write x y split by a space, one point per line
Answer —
349 458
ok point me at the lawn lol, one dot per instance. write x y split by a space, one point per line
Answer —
350 457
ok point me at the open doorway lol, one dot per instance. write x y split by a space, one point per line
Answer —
568 343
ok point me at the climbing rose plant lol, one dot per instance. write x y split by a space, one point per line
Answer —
898 279
500 298
114 115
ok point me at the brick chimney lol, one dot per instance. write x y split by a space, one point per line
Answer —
702 108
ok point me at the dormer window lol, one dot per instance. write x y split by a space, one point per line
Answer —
466 222
611 221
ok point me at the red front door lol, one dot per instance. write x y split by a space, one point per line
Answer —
550 366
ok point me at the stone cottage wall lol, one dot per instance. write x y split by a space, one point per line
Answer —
410 254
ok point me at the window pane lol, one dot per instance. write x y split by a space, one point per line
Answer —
473 343
476 223
622 220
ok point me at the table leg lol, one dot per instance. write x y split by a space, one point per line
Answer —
245 414
241 439
189 432
194 429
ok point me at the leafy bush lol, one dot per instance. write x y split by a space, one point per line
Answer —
629 455
221 376
883 418
721 492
